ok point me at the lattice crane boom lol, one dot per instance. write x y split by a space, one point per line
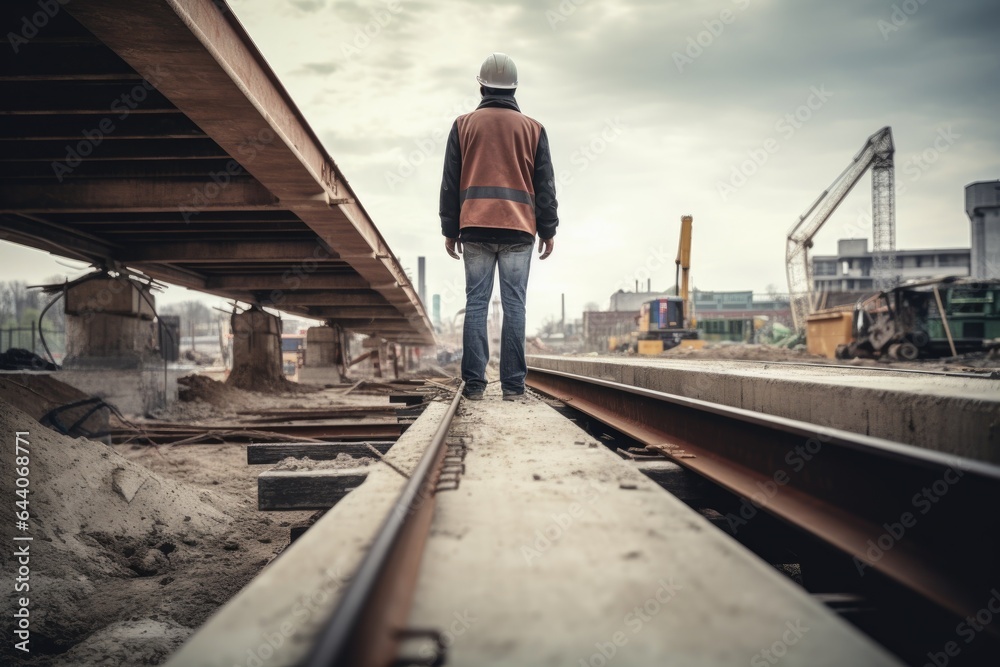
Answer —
876 154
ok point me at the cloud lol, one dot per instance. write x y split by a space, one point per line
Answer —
309 6
317 68
382 104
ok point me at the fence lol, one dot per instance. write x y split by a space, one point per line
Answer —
27 338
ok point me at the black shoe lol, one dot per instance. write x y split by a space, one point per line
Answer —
513 396
473 395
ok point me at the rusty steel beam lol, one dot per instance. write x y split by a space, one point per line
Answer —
848 490
194 252
283 286
201 60
189 196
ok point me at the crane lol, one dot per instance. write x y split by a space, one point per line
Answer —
876 154
684 265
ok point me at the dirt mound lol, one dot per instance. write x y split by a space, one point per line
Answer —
202 388
222 394
116 548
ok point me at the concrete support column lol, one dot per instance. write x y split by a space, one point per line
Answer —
111 345
322 347
324 362
109 324
256 351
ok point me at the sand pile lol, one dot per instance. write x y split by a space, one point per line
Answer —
39 393
341 462
124 563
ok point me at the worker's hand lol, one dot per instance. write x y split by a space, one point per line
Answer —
545 247
454 248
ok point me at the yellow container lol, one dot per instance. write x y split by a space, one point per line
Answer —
825 331
650 347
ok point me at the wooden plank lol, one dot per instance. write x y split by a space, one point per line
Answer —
273 452
407 399
306 489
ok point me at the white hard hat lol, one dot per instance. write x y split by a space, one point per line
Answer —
498 71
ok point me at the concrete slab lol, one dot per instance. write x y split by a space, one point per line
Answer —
134 391
956 415
556 553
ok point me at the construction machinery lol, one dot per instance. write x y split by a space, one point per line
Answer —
925 319
876 155
666 322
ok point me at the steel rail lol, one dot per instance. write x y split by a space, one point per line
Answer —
922 518
364 629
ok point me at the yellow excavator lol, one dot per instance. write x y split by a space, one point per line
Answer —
668 321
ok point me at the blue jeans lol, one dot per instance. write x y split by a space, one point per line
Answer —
481 260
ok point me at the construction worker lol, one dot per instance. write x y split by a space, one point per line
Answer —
497 193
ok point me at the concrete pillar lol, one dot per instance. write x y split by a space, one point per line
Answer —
324 362
322 347
111 345
109 324
256 351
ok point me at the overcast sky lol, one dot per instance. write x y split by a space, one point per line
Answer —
654 109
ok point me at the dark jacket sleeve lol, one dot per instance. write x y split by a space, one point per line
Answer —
544 182
450 206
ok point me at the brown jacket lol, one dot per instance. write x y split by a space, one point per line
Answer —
498 173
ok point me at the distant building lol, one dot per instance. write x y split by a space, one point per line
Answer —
850 270
632 301
600 325
740 305
620 321
982 205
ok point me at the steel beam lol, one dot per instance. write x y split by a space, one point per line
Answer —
195 252
287 283
188 197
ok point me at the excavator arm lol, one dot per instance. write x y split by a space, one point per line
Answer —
684 267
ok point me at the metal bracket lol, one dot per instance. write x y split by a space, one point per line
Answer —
436 644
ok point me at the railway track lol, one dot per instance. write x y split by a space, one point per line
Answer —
920 519
363 629
862 498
